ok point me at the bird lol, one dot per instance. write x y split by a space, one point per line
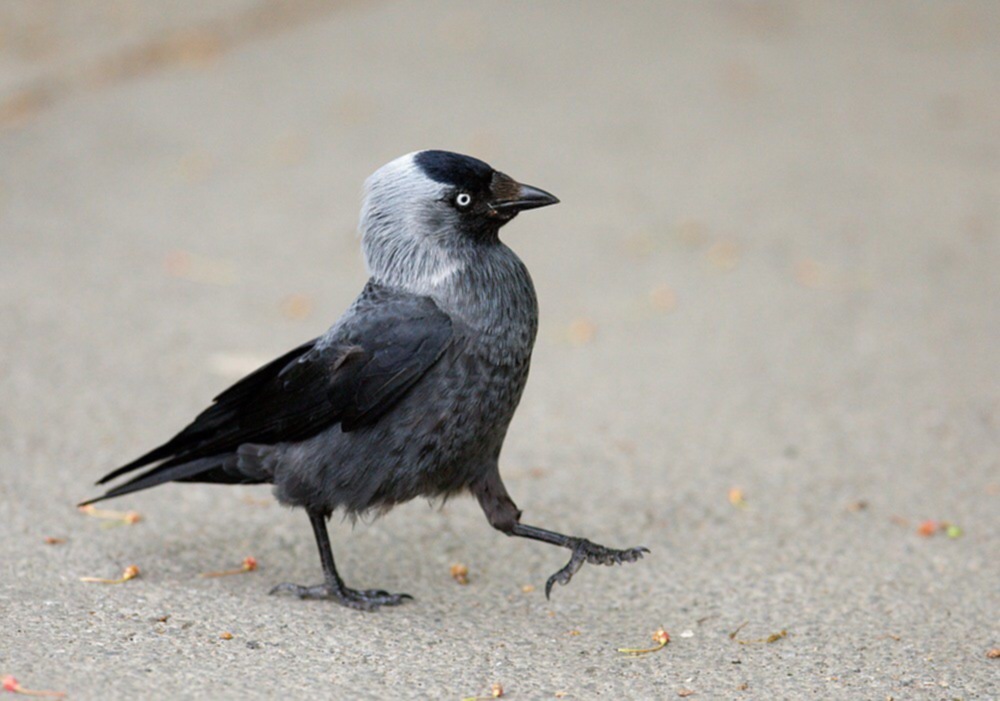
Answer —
409 394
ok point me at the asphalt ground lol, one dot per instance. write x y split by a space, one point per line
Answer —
768 347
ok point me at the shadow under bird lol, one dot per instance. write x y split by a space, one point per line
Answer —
410 393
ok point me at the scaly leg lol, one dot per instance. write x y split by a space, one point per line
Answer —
333 586
504 515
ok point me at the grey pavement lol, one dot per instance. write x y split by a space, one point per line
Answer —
773 274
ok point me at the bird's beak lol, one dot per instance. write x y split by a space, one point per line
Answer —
511 197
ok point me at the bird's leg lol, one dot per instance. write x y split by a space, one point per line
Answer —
504 515
333 586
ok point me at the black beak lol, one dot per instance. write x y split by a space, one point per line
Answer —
526 197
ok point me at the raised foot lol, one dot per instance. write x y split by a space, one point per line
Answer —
585 551
363 600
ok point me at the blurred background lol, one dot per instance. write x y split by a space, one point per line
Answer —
768 346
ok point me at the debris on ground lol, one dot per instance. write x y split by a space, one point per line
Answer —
296 307
114 518
737 497
772 638
931 527
226 636
11 684
50 540
928 528
249 565
131 572
581 332
496 691
460 573
660 637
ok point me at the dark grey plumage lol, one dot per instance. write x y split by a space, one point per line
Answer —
411 392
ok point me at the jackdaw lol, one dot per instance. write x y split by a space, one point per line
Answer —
410 393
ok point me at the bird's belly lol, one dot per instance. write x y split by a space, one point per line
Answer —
441 437
459 434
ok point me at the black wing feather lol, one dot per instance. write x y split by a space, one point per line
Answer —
211 418
353 378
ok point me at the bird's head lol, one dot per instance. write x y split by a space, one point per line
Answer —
423 210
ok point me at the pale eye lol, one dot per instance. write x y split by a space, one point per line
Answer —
463 199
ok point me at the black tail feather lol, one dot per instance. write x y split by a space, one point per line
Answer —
158 475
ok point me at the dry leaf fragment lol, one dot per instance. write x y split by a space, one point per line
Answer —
496 691
297 306
127 518
737 497
581 331
11 684
772 638
993 654
928 528
660 637
528 588
131 572
856 506
684 693
249 565
460 573
226 636
561 694
50 540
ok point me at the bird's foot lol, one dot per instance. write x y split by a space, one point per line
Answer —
363 600
585 551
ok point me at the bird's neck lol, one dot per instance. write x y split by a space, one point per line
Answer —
490 287
486 286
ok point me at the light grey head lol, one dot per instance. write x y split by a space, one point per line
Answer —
425 213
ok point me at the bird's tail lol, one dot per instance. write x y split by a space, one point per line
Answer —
190 471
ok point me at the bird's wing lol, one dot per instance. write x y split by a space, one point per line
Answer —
352 376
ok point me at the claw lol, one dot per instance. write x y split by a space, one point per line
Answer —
365 600
585 551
